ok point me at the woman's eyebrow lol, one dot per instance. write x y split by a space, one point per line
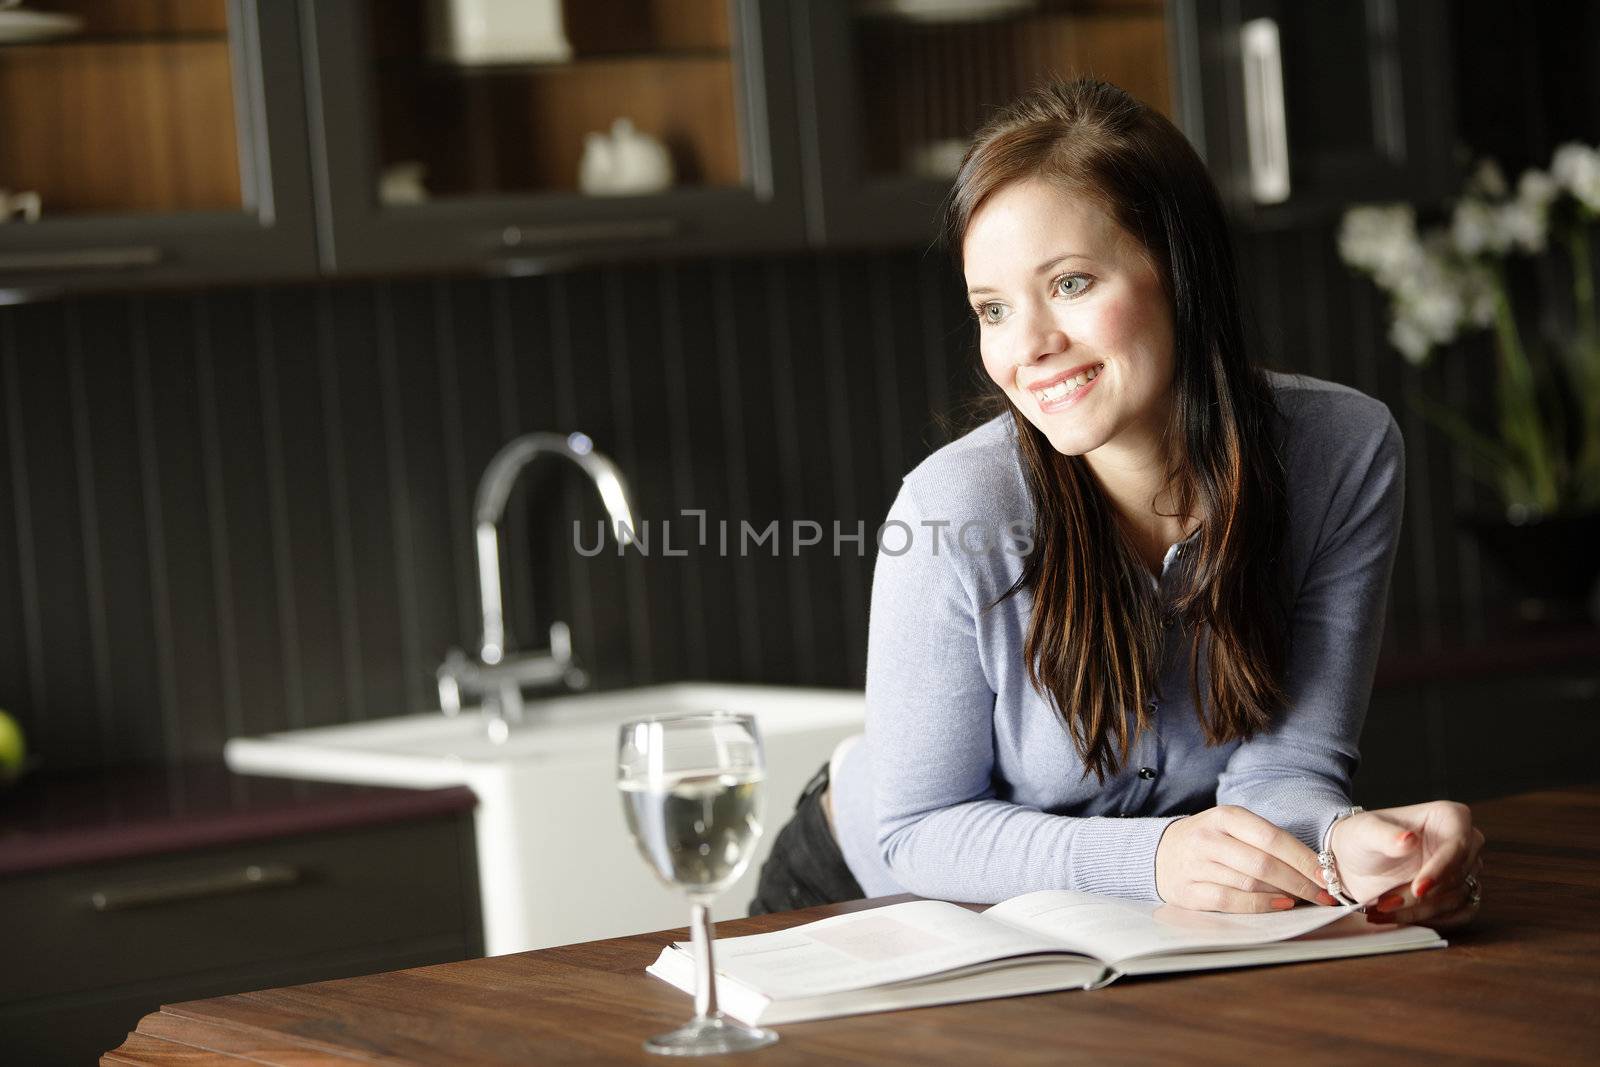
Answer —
1043 268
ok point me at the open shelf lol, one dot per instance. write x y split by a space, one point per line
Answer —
923 83
667 65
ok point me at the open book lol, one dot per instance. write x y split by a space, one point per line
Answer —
931 952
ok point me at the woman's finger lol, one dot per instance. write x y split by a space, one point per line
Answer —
1459 916
1456 837
1443 902
1255 871
1253 830
1213 896
1222 874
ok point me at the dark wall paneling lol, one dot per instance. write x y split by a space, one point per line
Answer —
1313 315
250 509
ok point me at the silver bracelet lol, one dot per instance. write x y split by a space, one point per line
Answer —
1329 867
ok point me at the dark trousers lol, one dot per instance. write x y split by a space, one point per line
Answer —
805 866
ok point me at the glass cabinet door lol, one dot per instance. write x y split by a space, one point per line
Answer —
499 134
1313 104
138 138
901 86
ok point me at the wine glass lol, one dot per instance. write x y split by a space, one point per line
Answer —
691 790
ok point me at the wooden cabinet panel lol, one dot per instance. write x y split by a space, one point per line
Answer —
104 17
128 127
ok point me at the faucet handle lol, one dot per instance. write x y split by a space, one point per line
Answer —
574 676
448 677
561 642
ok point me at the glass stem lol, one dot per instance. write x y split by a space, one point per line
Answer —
705 990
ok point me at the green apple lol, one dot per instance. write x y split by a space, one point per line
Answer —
11 747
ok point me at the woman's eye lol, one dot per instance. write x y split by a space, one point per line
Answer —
1071 284
991 313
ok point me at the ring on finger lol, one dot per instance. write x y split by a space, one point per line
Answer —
1474 891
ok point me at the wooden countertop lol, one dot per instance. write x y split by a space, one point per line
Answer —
95 816
1521 986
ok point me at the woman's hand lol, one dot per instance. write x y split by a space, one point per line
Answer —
1425 852
1228 859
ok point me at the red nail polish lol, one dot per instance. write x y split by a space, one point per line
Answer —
1424 887
1283 903
1390 902
1326 898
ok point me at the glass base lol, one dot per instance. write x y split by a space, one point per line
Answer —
709 1036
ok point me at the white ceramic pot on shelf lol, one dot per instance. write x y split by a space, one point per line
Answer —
624 162
479 32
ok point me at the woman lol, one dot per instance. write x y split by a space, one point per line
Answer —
1156 691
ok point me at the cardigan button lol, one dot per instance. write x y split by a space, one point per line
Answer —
1147 773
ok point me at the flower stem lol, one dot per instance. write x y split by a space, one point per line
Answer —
1587 360
1517 399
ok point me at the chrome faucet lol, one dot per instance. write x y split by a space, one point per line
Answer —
497 675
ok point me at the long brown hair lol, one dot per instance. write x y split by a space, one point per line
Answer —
1095 635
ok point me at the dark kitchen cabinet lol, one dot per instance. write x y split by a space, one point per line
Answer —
154 143
130 889
217 140
1304 106
429 162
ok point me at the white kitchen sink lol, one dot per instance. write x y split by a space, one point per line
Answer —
555 863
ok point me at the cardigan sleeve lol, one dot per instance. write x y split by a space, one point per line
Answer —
1297 775
941 830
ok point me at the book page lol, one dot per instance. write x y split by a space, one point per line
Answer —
1350 936
1113 930
868 948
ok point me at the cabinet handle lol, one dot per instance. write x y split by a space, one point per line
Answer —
243 880
1266 124
83 259
589 232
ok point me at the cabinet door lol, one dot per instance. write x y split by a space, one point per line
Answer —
1309 105
438 146
900 86
151 142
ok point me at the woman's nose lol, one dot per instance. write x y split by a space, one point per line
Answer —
1040 336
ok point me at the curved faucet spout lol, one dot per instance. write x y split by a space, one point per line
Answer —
494 489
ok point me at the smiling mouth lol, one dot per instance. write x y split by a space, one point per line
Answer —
1068 386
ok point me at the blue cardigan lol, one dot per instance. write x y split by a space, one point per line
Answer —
968 787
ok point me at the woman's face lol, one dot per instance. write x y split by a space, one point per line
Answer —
1073 322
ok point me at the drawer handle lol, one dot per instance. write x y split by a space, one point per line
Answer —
83 258
243 880
579 233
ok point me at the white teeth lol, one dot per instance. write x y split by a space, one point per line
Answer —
1062 388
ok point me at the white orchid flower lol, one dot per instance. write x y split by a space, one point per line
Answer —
1475 228
1576 167
1381 240
1410 340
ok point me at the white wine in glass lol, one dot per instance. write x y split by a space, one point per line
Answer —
691 790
